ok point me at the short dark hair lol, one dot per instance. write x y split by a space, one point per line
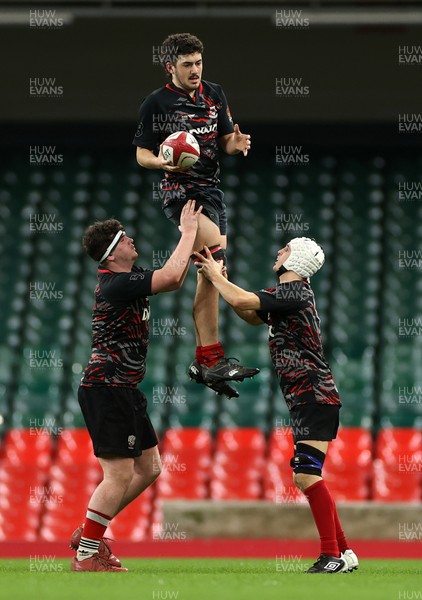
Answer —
178 44
98 236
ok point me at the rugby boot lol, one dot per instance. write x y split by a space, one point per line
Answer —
94 563
195 372
104 550
224 370
327 564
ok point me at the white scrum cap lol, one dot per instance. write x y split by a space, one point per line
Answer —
306 257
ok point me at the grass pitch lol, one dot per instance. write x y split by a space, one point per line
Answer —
209 579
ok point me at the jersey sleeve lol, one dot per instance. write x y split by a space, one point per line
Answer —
145 136
284 299
122 288
263 315
225 121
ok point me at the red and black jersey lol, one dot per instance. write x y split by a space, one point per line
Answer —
120 328
206 115
295 344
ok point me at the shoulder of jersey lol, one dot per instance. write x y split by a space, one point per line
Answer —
211 84
216 87
156 92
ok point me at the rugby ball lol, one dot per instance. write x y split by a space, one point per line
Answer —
181 149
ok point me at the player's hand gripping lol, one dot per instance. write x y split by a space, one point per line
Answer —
209 266
165 164
189 218
242 141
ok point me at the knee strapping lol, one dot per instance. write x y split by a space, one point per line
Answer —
218 253
307 459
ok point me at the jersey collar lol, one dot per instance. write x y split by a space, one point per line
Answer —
102 270
174 88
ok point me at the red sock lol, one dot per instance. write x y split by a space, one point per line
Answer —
198 354
211 354
95 524
341 538
323 508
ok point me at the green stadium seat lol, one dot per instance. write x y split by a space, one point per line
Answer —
347 202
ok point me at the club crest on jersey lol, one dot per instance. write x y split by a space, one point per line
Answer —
146 314
212 113
131 441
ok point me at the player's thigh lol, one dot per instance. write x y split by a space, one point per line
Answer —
208 233
321 446
117 468
149 463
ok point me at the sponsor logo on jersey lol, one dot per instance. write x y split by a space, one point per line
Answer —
206 129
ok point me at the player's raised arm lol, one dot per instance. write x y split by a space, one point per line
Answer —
249 315
171 276
244 303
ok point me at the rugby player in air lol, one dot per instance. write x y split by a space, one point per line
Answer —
189 103
305 380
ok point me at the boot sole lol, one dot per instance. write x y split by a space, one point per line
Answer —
229 395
